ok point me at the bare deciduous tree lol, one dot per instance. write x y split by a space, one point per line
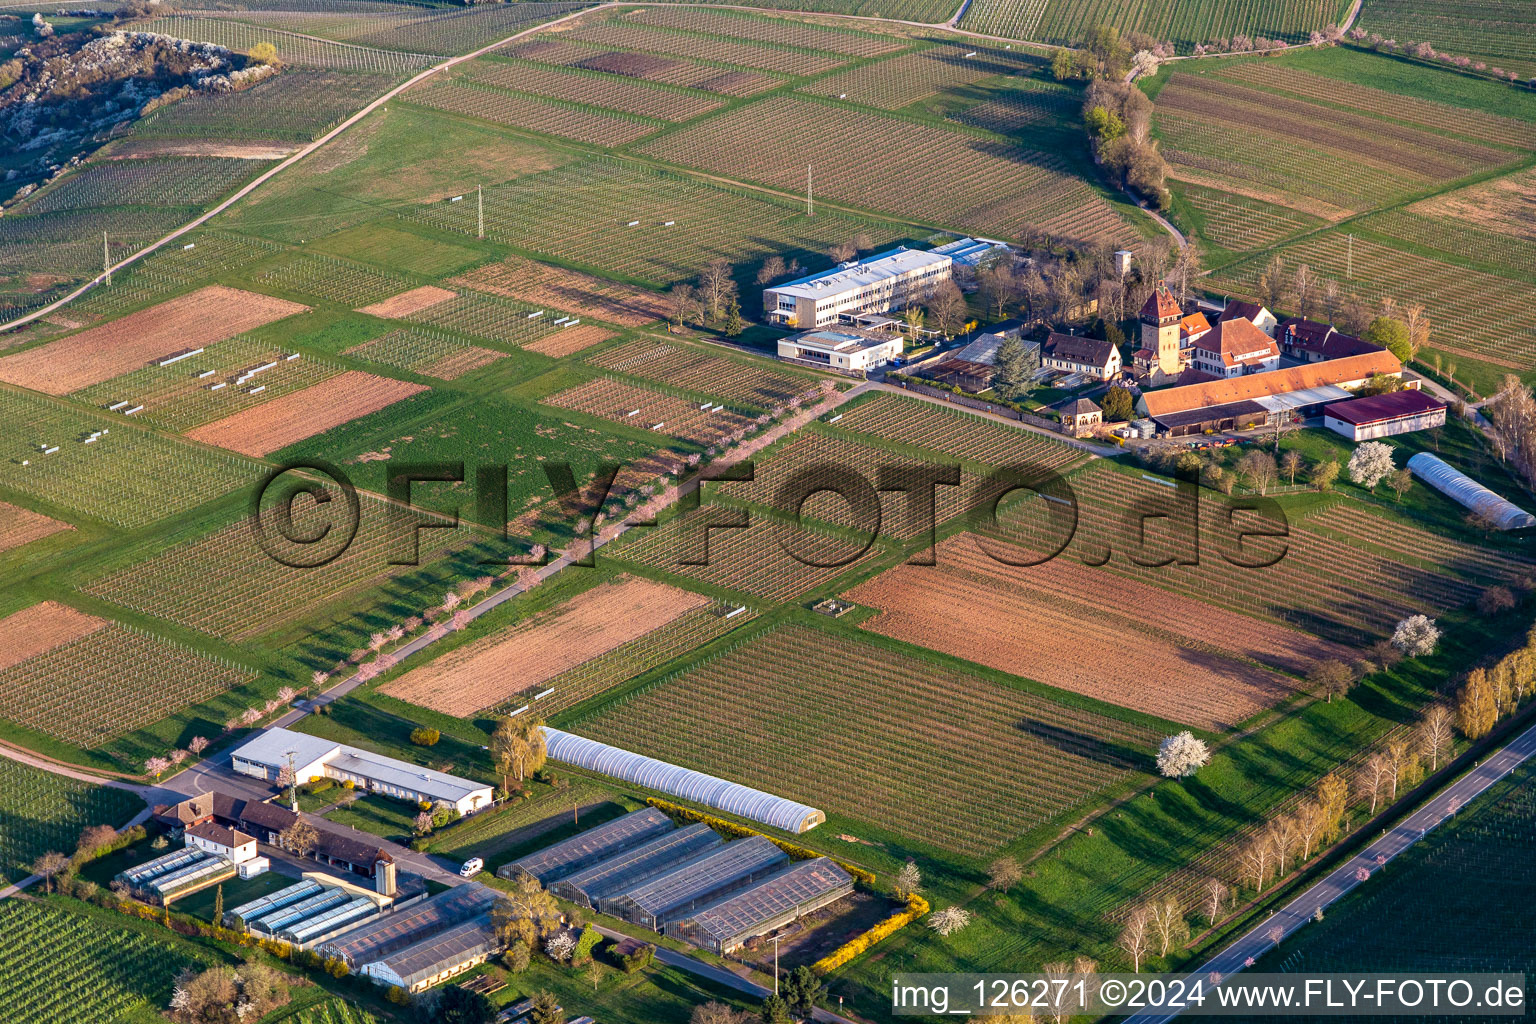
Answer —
1215 894
771 270
1256 861
1168 924
1372 776
1004 873
1435 734
1136 937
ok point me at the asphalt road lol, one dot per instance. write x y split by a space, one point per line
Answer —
1345 877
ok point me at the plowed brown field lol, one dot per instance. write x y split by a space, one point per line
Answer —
41 628
301 414
406 303
20 526
586 626
191 321
582 336
568 290
1069 626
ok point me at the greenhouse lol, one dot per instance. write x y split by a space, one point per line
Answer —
435 959
272 901
591 847
636 865
137 877
186 880
285 917
1468 493
696 882
378 939
771 903
319 927
730 797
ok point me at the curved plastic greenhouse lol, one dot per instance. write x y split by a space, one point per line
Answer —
730 797
1467 492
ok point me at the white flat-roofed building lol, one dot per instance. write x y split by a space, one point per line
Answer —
267 754
878 284
842 350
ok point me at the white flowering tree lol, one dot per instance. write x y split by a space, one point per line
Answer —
1371 464
1181 755
1417 635
949 920
560 947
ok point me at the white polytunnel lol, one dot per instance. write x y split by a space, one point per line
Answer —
1463 490
722 795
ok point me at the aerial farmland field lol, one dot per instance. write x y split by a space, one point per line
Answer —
1057 755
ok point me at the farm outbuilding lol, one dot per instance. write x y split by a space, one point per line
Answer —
674 780
771 903
696 882
593 846
1468 493
1396 412
636 865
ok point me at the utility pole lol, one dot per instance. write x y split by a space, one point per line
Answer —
106 258
810 202
479 212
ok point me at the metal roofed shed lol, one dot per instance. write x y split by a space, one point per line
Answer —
771 903
696 882
1468 493
378 939
1385 415
674 780
431 960
636 865
590 847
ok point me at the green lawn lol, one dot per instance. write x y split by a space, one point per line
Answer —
380 815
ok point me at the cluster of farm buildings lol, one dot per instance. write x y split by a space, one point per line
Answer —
350 902
1194 370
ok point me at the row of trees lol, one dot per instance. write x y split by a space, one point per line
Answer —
1512 412
1426 51
1118 117
1293 835
1495 691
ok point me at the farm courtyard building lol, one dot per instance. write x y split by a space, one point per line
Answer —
878 284
1397 412
266 822
848 349
312 757
1258 399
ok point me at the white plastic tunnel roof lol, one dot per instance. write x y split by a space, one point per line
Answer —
1465 491
674 780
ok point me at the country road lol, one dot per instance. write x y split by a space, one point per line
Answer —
1346 877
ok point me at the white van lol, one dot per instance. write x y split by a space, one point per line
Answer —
472 867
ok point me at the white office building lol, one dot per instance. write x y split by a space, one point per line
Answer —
879 284
852 351
312 757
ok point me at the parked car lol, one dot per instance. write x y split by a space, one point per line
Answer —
472 867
